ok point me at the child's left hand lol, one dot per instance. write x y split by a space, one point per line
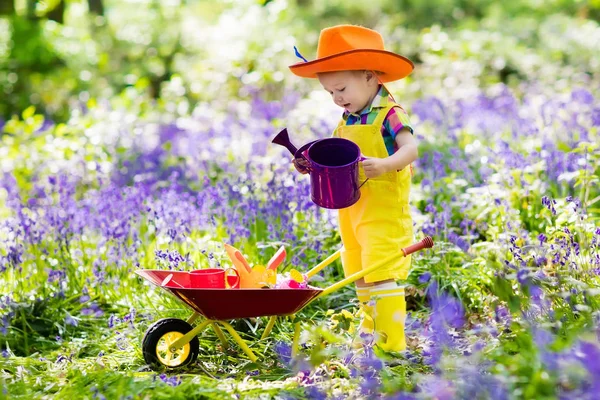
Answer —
374 167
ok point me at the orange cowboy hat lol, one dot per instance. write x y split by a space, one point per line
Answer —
352 47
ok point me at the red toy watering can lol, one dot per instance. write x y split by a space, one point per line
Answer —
214 278
333 167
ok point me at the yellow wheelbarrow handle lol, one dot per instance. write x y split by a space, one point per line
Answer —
425 243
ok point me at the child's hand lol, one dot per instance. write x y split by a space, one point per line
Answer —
374 167
301 165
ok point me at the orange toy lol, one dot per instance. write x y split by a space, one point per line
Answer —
259 276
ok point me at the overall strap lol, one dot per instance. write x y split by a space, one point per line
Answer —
382 114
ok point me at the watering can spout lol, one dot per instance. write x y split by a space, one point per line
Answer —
283 139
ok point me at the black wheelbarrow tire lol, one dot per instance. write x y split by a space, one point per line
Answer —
157 339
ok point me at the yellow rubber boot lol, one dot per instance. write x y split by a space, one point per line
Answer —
389 316
364 298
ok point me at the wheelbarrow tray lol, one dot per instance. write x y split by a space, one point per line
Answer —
226 304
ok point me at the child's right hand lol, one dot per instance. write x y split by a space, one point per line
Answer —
301 165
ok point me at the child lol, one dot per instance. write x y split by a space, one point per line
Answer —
352 66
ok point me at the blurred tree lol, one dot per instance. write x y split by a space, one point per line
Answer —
167 57
7 7
31 5
30 57
51 9
57 13
420 14
96 7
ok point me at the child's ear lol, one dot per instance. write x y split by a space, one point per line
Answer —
369 75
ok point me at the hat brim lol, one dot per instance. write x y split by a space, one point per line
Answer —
390 66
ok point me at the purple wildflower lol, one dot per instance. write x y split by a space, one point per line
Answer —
446 312
313 392
446 309
477 382
425 277
130 317
171 381
401 396
97 394
549 203
435 387
459 241
502 315
523 276
94 309
61 358
284 352
84 299
121 340
113 320
69 320
589 355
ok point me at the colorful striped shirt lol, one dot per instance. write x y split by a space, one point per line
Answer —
395 120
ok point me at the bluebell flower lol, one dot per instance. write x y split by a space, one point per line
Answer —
69 320
312 392
284 352
401 396
97 394
549 203
171 381
425 277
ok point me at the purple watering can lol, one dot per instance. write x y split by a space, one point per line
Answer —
333 167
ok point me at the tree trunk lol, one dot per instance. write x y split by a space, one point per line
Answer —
7 7
58 13
96 7
31 9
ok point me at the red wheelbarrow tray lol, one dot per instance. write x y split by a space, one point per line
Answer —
226 304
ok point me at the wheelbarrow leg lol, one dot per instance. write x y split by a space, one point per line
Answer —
269 327
185 339
193 318
215 327
220 335
239 341
296 339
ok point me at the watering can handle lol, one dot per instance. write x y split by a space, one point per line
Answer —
236 274
361 159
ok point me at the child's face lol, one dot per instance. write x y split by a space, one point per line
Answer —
351 90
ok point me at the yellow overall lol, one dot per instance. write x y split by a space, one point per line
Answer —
374 230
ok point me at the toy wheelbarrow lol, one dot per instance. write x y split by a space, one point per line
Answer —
173 343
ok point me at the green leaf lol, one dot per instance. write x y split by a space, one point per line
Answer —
28 112
503 289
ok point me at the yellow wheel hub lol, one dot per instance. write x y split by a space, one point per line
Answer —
168 357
